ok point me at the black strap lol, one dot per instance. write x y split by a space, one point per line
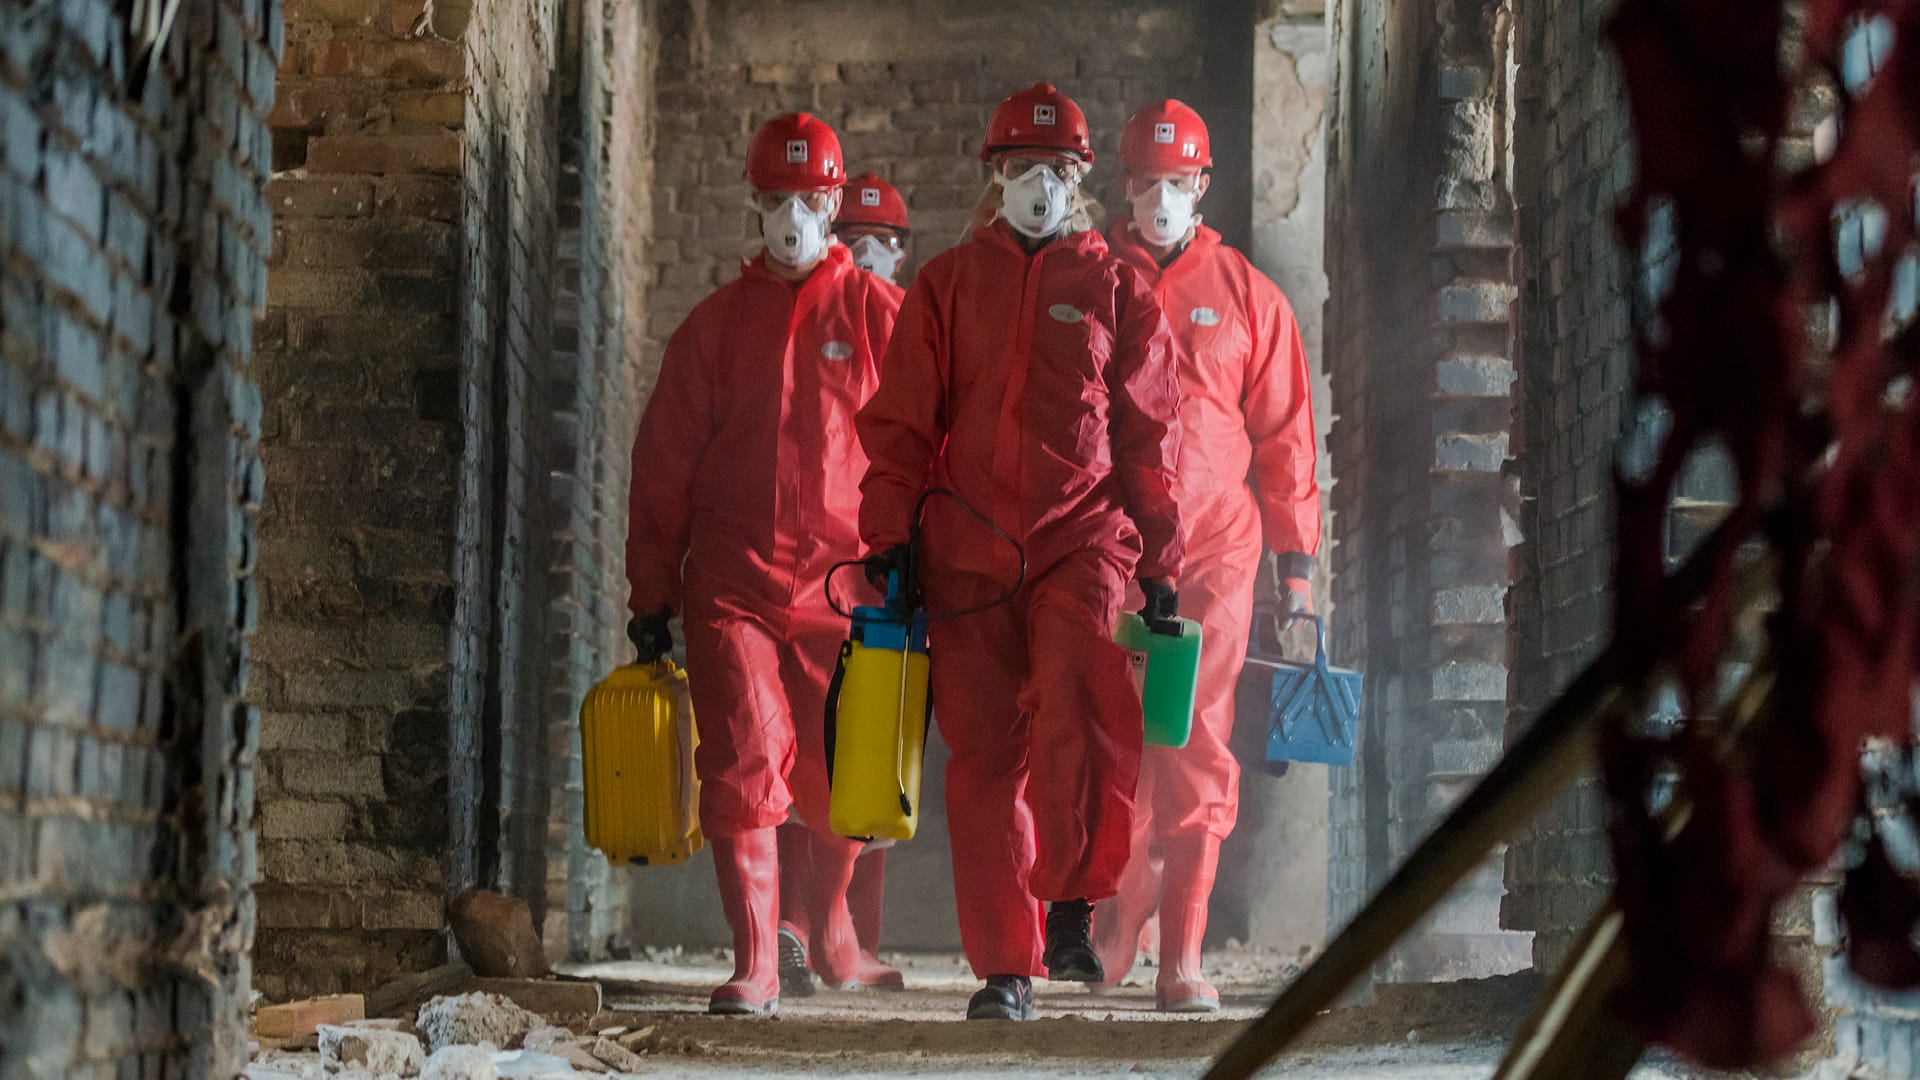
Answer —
926 728
833 705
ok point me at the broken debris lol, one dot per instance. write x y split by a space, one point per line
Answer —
377 1050
532 1065
561 1043
461 1063
471 1019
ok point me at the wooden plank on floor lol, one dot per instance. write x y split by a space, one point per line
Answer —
562 1000
396 996
298 1018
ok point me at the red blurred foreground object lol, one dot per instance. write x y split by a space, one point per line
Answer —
1826 442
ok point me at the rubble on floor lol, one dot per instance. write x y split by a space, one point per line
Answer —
380 1050
472 1035
461 1063
471 1019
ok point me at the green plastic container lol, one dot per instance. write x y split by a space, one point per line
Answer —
1166 668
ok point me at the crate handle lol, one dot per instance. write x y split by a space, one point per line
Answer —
1269 624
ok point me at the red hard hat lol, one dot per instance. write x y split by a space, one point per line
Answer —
1038 118
1165 136
872 201
795 152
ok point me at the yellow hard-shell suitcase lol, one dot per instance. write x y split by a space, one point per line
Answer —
877 741
636 748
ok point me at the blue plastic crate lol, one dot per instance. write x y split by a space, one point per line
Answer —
1314 713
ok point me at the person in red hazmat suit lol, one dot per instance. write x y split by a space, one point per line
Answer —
872 223
1246 476
1032 377
745 490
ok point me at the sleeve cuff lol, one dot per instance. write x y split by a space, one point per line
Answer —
1294 564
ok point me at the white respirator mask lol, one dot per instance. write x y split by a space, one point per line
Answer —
1163 214
1036 203
795 236
871 254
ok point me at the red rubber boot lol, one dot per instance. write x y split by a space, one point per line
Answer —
865 895
834 947
1118 923
1187 884
748 868
796 867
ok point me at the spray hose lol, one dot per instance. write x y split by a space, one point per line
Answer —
910 597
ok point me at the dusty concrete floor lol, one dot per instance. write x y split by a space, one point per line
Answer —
919 1032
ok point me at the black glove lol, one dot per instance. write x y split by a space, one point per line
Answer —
651 637
879 567
1163 604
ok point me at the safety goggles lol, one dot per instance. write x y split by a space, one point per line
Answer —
1184 182
887 238
768 201
1064 166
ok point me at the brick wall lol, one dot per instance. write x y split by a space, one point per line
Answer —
1575 365
1875 1032
911 107
129 421
1368 513
909 89
510 174
1575 421
406 531
599 316
360 364
1418 328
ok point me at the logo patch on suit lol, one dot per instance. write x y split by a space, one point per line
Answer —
1065 313
1043 115
837 350
869 196
796 151
1205 316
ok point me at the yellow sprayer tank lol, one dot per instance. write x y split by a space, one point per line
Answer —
877 717
636 748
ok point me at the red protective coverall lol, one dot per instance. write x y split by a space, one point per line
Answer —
746 467
1041 389
1246 473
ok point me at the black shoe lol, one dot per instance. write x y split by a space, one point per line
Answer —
796 978
1070 956
1005 997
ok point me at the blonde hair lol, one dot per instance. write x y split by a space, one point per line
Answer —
1084 212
